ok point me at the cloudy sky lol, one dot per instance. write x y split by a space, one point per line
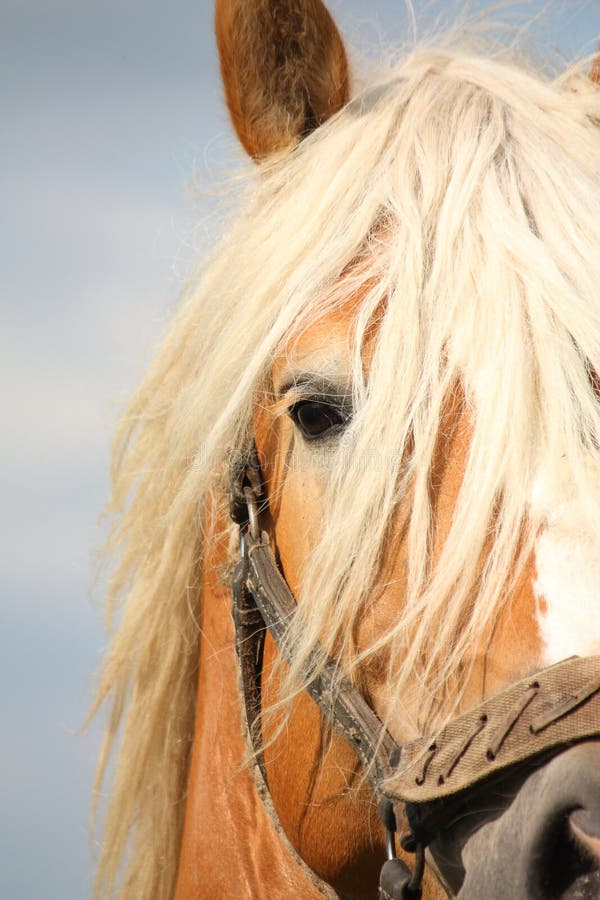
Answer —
110 112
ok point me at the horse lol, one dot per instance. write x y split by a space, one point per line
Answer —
374 427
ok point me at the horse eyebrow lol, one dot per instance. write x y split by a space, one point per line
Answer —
313 384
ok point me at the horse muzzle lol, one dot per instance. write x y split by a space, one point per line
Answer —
532 837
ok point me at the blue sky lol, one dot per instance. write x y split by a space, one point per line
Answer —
108 111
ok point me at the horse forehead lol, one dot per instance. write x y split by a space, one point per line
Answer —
324 345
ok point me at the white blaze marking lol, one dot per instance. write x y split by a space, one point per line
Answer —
568 592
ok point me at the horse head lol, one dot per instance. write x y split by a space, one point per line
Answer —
393 359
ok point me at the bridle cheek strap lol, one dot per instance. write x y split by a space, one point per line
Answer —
262 600
426 779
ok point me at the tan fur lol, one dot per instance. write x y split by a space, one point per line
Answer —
284 69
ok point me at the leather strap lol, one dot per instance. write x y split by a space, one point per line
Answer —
262 598
250 630
555 708
258 580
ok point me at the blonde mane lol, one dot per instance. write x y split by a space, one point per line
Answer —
469 190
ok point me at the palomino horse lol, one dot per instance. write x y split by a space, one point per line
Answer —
389 372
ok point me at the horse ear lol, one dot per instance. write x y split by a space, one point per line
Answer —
284 69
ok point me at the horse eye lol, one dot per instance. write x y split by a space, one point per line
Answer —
315 419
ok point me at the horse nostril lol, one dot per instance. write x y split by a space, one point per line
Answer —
543 845
567 863
585 828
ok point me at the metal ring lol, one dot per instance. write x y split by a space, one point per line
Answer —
390 844
252 513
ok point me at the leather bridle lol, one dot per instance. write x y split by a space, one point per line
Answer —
425 781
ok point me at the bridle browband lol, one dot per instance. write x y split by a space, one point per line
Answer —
424 781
